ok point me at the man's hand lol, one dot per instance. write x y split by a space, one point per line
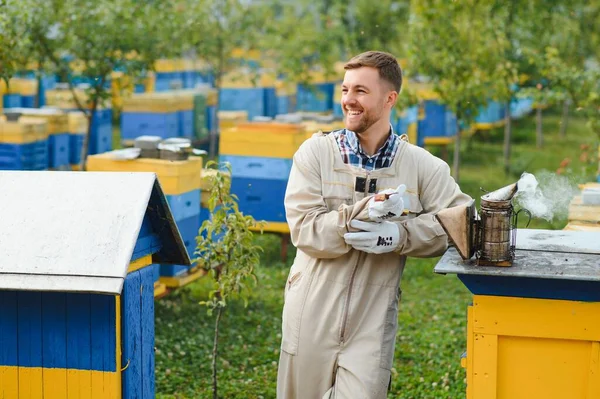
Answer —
376 238
387 204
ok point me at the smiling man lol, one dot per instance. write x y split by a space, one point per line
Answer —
358 202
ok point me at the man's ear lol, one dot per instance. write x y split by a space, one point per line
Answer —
392 98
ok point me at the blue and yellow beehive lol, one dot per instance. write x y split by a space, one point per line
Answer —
23 144
317 95
261 155
77 304
100 139
241 91
181 184
533 328
78 127
11 96
58 133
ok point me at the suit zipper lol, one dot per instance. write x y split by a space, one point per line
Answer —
351 283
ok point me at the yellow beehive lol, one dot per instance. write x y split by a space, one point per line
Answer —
57 120
164 65
176 177
24 87
522 348
229 119
78 123
25 130
277 140
151 102
64 98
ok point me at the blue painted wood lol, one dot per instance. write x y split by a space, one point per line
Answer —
147 319
258 167
315 98
261 198
103 332
28 101
29 156
30 328
146 246
11 101
75 145
188 228
79 332
135 124
8 329
100 139
185 121
572 290
184 205
58 150
54 330
132 333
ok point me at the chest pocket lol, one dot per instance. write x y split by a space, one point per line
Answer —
337 193
412 204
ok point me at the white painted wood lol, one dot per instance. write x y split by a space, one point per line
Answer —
558 241
71 231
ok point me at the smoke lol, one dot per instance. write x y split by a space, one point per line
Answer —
546 197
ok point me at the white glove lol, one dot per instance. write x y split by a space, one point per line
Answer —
376 238
387 209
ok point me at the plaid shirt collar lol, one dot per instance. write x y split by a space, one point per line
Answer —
352 152
384 151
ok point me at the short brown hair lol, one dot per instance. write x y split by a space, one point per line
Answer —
385 63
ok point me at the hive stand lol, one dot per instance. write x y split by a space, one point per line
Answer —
533 329
76 282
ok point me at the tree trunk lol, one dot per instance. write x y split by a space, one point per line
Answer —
456 160
86 140
565 119
538 127
507 137
215 352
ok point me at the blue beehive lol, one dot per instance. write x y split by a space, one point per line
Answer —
260 184
438 123
149 114
316 97
490 116
76 297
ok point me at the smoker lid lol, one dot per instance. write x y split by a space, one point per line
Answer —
548 254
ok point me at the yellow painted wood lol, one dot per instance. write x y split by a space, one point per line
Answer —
97 385
26 130
9 382
78 123
276 140
412 133
542 368
485 349
55 383
180 281
470 352
85 383
74 384
438 140
159 289
582 226
175 177
536 318
521 348
594 376
140 263
30 383
273 227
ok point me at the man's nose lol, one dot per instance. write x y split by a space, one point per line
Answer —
348 99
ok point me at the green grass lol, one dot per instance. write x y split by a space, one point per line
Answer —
432 317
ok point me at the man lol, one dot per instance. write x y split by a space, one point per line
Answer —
342 293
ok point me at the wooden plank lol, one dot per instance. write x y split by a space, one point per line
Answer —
485 366
558 241
147 319
132 346
79 346
180 281
54 341
160 290
9 375
30 344
470 352
594 377
537 318
140 263
534 264
119 343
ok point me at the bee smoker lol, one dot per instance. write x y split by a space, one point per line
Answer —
490 236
